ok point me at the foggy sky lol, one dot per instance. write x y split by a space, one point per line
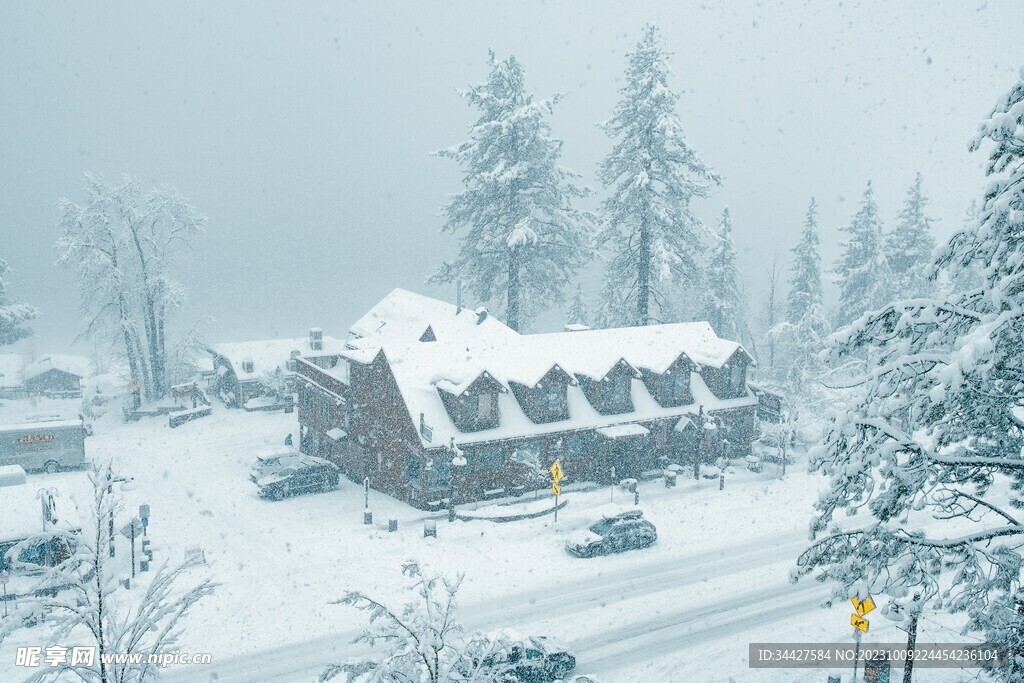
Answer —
303 130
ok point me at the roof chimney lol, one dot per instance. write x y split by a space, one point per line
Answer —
316 339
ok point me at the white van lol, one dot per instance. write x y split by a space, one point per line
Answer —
48 446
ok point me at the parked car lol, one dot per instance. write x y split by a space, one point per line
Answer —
615 534
533 659
289 475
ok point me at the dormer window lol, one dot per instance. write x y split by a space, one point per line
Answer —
248 365
473 407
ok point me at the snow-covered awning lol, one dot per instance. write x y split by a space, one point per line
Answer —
622 431
683 424
337 434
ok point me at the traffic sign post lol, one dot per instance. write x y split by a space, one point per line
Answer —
131 530
860 624
556 476
144 516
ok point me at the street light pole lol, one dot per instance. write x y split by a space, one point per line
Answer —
458 460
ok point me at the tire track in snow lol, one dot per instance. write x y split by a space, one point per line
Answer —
640 642
288 662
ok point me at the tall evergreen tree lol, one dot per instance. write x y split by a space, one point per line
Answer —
929 453
577 313
13 316
805 291
652 174
725 304
909 246
523 238
802 334
865 280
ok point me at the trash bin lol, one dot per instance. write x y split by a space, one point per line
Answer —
429 528
367 517
392 525
670 479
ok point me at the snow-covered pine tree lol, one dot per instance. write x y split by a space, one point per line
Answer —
577 313
909 247
523 240
928 458
801 336
653 174
13 316
865 280
967 277
805 290
725 302
770 314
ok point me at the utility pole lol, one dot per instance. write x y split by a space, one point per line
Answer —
110 492
908 668
787 434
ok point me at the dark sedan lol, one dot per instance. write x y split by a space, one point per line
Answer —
624 531
286 476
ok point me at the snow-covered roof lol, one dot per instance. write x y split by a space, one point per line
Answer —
75 365
420 368
269 354
404 316
12 368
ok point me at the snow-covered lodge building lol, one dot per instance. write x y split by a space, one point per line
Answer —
243 370
399 408
56 375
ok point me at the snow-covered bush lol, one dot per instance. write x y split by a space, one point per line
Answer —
423 641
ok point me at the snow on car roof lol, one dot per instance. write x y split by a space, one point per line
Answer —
39 425
421 368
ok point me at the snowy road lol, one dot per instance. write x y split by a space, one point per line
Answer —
678 622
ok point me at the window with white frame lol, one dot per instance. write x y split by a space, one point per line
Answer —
736 378
484 406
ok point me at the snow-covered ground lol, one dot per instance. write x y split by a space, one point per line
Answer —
684 609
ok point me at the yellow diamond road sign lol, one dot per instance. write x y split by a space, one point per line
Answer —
862 606
859 622
556 472
556 489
